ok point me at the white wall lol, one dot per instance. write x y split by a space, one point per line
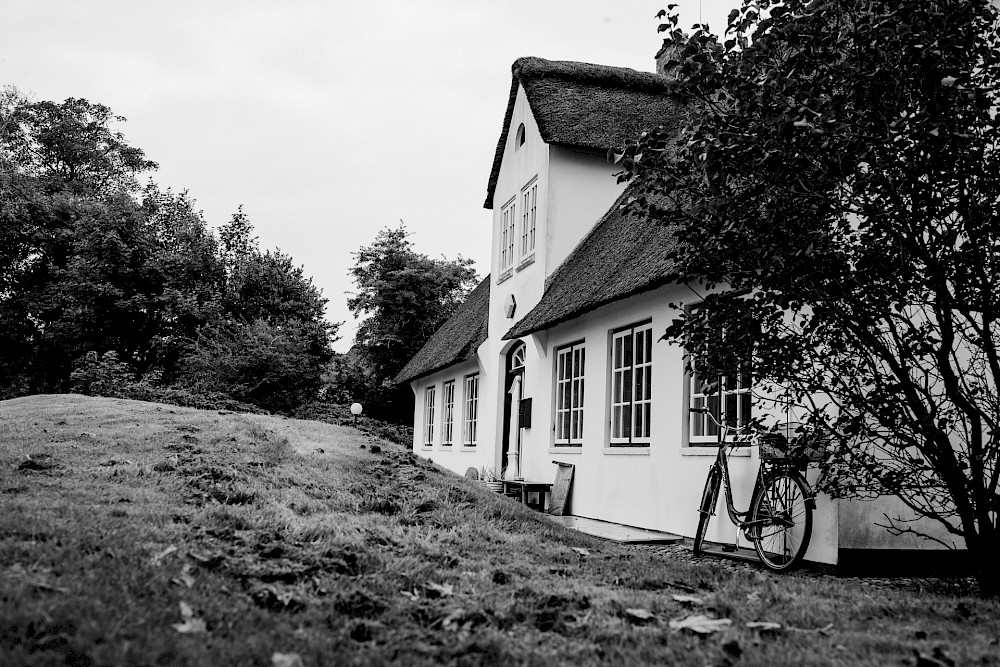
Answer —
455 457
658 487
582 187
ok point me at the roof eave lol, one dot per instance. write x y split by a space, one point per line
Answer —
514 333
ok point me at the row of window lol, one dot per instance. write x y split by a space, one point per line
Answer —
631 400
469 424
631 388
521 239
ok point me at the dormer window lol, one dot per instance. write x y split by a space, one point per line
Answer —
519 137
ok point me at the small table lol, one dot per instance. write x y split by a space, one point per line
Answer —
511 486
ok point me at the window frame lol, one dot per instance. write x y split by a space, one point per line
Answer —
430 400
508 242
470 410
740 397
616 374
448 413
569 415
529 216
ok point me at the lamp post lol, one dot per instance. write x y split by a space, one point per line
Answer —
356 410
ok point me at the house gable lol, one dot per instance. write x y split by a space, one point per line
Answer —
584 106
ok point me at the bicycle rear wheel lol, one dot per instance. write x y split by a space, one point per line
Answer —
783 508
707 508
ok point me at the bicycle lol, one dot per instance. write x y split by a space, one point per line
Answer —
779 520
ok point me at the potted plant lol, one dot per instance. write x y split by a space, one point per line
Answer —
489 477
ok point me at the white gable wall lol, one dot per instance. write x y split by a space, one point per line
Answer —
582 187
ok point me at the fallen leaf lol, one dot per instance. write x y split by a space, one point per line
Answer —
701 624
412 595
439 590
287 660
640 614
192 624
581 552
763 625
163 554
948 81
184 578
687 599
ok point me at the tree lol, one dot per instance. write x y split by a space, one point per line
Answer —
270 343
835 194
406 297
115 284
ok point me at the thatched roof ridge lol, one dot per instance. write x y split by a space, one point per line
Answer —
586 106
457 340
624 255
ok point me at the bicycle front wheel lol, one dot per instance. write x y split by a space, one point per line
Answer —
707 508
781 513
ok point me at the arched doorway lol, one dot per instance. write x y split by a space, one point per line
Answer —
510 452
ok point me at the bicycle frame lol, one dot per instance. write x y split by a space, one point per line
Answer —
738 518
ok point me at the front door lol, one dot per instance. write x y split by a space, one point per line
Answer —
510 455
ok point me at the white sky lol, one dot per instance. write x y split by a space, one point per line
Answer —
327 120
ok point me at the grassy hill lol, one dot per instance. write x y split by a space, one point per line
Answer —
140 534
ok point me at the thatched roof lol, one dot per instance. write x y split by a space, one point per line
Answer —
593 107
457 340
624 255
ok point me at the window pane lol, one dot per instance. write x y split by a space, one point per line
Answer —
745 409
626 421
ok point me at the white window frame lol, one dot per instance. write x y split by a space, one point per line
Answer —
508 216
570 370
470 411
429 399
631 370
448 413
529 211
733 406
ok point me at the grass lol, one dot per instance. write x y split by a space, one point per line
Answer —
282 536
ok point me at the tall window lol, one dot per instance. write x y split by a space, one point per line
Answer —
471 412
720 400
429 416
507 221
569 394
631 384
448 416
529 201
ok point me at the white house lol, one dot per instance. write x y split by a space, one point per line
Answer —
555 356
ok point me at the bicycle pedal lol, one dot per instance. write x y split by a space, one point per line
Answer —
729 548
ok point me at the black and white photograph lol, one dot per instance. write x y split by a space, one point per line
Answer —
454 332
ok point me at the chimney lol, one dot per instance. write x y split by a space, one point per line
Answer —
669 56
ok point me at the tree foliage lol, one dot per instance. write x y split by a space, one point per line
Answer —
836 192
99 275
404 297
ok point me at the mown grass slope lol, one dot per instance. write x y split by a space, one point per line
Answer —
143 534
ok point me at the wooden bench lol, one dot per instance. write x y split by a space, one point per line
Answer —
519 488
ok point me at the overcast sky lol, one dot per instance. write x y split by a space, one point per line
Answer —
326 120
